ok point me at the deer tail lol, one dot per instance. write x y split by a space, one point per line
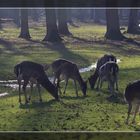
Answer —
46 66
17 70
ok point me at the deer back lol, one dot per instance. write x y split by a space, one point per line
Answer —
132 91
109 69
104 59
57 63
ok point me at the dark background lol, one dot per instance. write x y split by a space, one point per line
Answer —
70 136
69 3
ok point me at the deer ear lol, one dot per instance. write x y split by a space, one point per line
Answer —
46 66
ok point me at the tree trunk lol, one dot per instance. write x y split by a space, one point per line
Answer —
62 22
51 27
24 25
113 27
133 22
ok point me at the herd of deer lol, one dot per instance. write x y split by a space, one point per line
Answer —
107 70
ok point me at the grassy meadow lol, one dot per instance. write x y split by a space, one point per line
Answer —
96 112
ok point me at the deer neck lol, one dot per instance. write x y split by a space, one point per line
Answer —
46 83
79 79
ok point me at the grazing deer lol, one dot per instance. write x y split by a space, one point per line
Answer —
33 72
132 96
108 72
55 65
93 78
66 69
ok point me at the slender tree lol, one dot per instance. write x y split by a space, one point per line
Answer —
92 13
24 25
0 21
113 27
62 22
82 15
97 15
0 25
133 22
34 13
69 16
16 17
52 34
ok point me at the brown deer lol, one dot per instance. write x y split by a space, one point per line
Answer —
33 72
64 69
132 96
108 72
93 78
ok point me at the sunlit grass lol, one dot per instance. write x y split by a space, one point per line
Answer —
93 113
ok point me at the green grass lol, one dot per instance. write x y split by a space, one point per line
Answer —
93 113
71 136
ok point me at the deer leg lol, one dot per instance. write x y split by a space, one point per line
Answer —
117 84
98 83
31 91
112 88
24 90
108 86
115 94
129 111
58 86
66 80
136 110
75 87
101 84
54 80
139 110
19 83
39 91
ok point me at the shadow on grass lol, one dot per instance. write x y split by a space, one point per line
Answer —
105 41
72 136
83 39
115 46
9 46
121 48
73 98
46 115
118 99
131 74
37 104
63 51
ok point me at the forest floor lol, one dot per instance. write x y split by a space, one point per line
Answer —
96 112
